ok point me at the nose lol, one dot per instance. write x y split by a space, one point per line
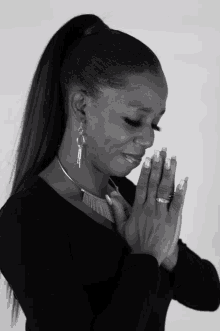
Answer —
146 139
146 144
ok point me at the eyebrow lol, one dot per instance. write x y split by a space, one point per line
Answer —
145 109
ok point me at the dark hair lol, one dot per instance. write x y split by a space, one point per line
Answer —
84 52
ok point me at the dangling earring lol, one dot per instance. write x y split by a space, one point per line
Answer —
80 146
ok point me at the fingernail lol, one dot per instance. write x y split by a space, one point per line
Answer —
181 184
167 163
156 155
164 149
147 162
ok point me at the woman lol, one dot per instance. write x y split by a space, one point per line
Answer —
88 250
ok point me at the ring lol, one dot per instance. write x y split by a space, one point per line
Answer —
162 200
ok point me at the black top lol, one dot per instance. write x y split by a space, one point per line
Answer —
71 273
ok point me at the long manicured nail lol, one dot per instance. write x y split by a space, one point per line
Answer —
147 162
156 155
167 163
181 184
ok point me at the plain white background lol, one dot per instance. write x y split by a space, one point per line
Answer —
185 36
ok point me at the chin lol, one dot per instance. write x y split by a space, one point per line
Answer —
119 167
123 172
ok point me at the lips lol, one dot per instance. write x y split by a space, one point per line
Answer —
131 160
136 157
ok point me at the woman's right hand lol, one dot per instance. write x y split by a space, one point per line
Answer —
151 227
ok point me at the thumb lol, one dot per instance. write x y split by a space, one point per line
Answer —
120 212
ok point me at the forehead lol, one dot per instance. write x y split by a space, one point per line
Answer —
147 85
147 110
146 93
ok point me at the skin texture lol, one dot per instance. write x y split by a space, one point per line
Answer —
107 134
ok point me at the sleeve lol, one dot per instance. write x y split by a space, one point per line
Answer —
196 281
134 297
45 282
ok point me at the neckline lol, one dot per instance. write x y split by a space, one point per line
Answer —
77 202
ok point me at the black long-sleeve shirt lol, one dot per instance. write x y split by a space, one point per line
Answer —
71 273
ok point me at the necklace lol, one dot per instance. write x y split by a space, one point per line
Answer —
101 206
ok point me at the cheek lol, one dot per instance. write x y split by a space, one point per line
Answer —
109 138
113 145
116 135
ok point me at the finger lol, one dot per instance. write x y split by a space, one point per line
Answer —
154 179
141 188
184 193
163 154
166 187
140 198
178 200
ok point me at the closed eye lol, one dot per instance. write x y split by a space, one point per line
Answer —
137 124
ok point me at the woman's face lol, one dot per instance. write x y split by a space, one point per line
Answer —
118 123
